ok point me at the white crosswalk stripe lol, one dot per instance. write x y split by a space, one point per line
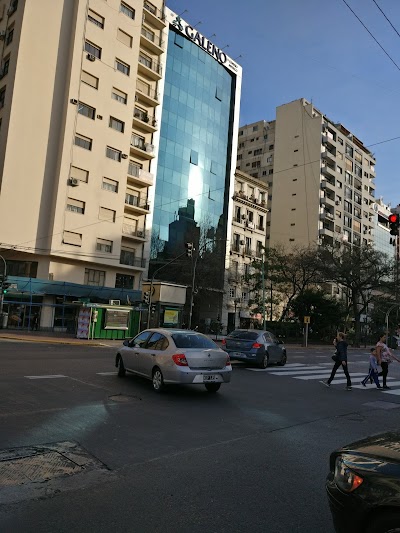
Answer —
322 371
47 376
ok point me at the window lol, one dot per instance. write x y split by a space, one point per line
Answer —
358 171
74 239
266 136
116 124
358 156
179 40
340 140
13 7
122 67
127 10
232 292
124 281
134 168
271 147
98 20
347 221
2 97
348 193
295 150
6 65
349 150
348 206
94 277
218 93
339 155
107 214
349 164
270 171
118 95
238 217
127 256
339 169
348 178
83 142
113 153
269 159
239 157
357 226
339 184
258 151
240 133
255 128
10 36
93 49
86 110
261 223
89 79
194 157
76 206
79 174
103 245
256 164
124 38
109 185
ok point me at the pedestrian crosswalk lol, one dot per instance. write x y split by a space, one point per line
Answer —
322 371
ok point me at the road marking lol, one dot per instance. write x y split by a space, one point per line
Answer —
395 392
326 375
293 371
49 376
106 373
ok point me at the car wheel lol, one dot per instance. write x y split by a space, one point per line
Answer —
385 523
264 361
121 368
212 387
158 380
283 360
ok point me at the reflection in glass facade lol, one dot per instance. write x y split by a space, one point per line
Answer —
194 162
382 236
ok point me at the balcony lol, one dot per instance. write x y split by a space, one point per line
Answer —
328 171
327 200
151 41
142 120
135 204
248 251
129 259
153 16
150 67
130 231
327 215
327 184
328 156
146 95
326 231
235 248
141 148
140 177
242 198
328 141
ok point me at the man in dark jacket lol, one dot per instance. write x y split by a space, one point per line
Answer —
341 360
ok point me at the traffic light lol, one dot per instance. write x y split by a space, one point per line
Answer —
153 309
394 223
5 287
146 297
189 249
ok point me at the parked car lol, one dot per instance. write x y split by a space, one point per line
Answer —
363 485
255 346
171 356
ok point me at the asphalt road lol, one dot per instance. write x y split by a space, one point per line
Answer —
252 458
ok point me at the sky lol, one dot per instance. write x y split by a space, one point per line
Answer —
316 49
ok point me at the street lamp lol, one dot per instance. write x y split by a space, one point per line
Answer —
2 293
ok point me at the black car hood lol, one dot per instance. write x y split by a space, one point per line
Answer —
384 446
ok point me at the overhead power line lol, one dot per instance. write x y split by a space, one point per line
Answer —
387 18
374 38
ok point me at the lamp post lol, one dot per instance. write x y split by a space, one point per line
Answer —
2 295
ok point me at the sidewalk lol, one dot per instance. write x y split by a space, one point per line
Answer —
54 338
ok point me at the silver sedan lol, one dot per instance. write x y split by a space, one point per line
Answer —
172 356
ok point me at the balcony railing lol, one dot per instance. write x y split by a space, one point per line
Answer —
153 10
144 117
132 231
135 201
151 64
140 143
157 40
147 91
235 248
128 258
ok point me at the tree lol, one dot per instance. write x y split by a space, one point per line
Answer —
361 271
290 274
326 313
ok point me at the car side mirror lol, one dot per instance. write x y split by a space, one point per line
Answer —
126 342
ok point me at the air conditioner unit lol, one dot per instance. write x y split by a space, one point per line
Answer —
74 182
91 57
100 117
114 302
124 156
2 35
337 202
241 242
74 101
140 233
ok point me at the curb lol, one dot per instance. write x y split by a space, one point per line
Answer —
52 341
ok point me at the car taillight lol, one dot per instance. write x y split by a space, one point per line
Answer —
256 345
223 342
228 361
179 359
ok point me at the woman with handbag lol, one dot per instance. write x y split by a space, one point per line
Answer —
340 359
384 357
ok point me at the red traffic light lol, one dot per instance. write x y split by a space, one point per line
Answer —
393 219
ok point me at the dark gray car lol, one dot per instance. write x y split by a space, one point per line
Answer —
255 346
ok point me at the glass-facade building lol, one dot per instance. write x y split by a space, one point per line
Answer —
196 159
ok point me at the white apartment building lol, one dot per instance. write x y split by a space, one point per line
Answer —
321 177
79 116
247 243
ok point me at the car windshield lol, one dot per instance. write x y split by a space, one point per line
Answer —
245 335
192 340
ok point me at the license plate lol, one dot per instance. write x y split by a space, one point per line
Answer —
209 378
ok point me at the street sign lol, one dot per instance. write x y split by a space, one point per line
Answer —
306 320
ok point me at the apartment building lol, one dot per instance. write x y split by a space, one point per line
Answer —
321 177
79 118
383 241
247 244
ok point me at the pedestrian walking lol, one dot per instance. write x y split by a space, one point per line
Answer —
340 360
384 357
373 370
35 322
